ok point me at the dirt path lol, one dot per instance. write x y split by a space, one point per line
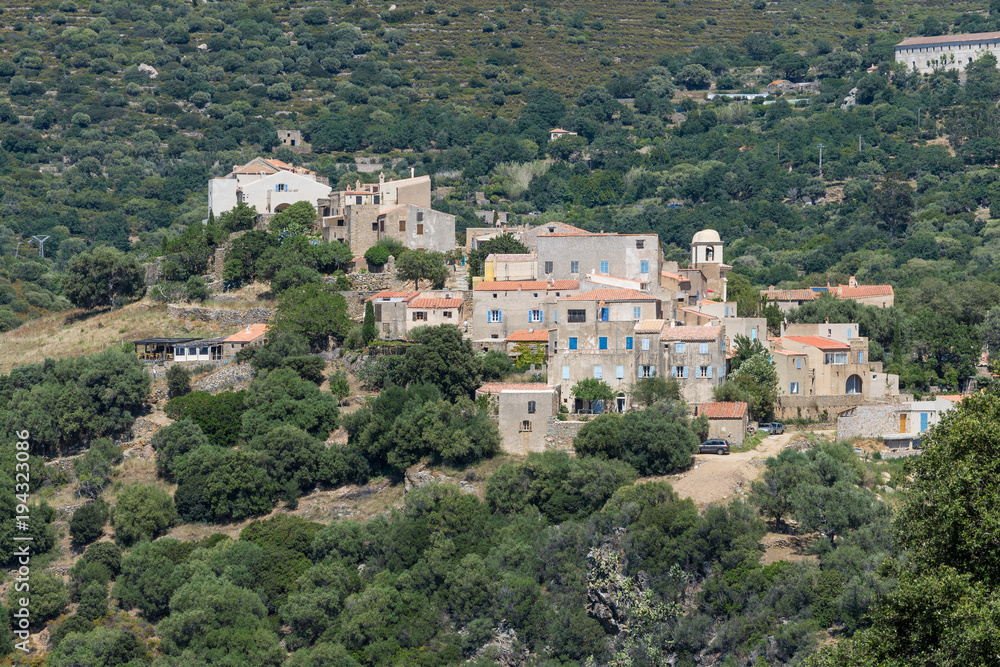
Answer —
715 479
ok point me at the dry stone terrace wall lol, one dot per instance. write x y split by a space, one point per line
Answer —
222 319
559 434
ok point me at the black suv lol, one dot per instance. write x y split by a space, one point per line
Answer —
714 447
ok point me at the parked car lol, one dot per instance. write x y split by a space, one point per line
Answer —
718 446
772 428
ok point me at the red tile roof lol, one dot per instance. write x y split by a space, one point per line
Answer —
619 294
435 303
723 410
819 342
387 294
497 387
690 333
648 326
529 336
863 291
248 335
789 294
673 276
526 285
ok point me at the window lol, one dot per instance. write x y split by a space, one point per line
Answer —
640 244
836 358
793 388
636 312
402 225
447 313
861 357
375 226
534 316
375 199
576 316
565 372
628 343
753 334
604 266
644 266
677 372
281 187
574 267
798 364
645 344
494 316
598 373
358 200
548 267
420 229
526 426
603 314
531 407
619 372
420 216
419 316
679 348
709 254
705 372
647 371
602 343
572 343
703 348
555 315
854 385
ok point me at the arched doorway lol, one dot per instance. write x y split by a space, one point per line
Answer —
281 207
854 384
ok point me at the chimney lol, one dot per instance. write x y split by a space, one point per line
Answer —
852 282
381 178
781 333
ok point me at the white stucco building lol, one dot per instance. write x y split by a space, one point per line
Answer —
268 185
926 54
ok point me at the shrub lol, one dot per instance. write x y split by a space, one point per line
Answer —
93 601
195 289
142 513
178 381
173 441
108 554
87 522
219 416
49 597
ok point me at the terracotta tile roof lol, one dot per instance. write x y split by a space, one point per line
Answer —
620 294
562 226
510 257
386 294
435 303
722 410
648 326
863 291
819 342
497 387
558 129
954 398
529 336
789 353
789 294
948 39
605 279
526 285
251 333
673 276
690 333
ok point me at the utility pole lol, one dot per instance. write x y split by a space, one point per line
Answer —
859 143
42 239
18 249
821 147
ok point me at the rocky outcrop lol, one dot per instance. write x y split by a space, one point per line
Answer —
419 476
235 376
505 649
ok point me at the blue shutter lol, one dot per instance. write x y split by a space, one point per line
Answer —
709 372
628 343
923 422
598 373
673 371
644 266
722 372
602 343
572 343
619 372
565 372
604 266
500 313
685 372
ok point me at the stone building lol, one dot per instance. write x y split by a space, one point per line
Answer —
293 139
880 296
900 423
696 357
513 266
572 256
944 52
254 335
499 308
601 334
707 272
725 420
521 412
399 312
269 185
401 210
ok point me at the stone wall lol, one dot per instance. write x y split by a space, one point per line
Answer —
559 435
220 318
825 408
868 421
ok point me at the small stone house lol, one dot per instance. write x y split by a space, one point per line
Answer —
521 412
254 335
725 420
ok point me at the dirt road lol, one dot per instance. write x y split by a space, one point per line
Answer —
715 479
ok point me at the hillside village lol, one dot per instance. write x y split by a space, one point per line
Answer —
530 335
